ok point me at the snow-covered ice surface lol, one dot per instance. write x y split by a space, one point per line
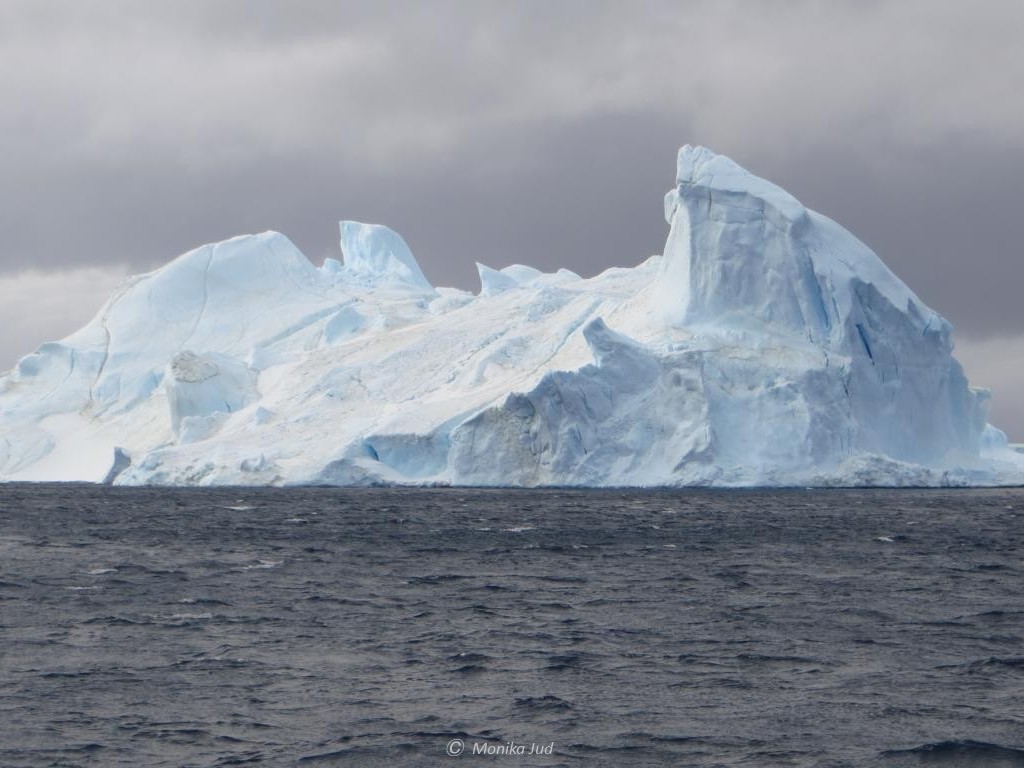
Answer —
768 346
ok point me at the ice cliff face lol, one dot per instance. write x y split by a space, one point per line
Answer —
744 254
768 346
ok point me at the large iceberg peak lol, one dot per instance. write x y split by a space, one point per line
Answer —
377 254
738 252
744 254
717 178
768 346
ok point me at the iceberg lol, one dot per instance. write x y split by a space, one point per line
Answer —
766 346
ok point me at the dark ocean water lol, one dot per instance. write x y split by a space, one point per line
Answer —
156 627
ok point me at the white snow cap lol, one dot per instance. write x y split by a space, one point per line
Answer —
377 253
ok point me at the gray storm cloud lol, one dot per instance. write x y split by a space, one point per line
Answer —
541 133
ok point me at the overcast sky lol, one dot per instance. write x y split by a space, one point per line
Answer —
535 132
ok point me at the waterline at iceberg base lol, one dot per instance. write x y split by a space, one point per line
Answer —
767 346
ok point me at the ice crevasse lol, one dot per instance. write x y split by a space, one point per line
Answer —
767 346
